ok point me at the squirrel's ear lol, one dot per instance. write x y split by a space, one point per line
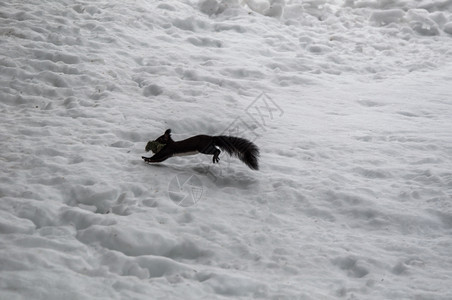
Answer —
168 132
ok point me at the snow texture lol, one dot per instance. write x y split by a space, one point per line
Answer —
349 102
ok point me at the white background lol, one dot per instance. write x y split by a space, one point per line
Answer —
353 196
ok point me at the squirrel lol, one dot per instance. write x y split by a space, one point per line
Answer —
245 150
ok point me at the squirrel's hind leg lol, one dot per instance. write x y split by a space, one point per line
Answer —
212 149
216 158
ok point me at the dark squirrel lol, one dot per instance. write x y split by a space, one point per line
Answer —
245 150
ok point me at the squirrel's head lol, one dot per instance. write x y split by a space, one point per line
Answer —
165 138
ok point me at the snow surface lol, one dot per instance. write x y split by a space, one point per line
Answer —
349 102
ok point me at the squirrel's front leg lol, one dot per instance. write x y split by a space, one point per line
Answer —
159 157
147 159
153 160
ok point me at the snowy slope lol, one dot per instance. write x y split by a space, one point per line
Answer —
349 102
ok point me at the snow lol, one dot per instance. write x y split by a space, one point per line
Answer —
349 102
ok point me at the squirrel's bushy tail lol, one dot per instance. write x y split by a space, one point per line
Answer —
245 150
